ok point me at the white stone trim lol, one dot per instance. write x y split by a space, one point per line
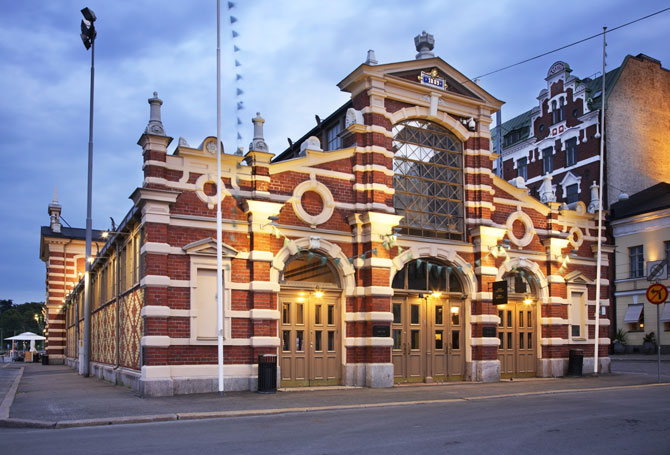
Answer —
257 313
528 226
553 341
155 341
484 341
554 321
380 316
484 319
367 341
177 371
264 341
377 291
373 168
155 280
155 311
261 256
373 187
326 198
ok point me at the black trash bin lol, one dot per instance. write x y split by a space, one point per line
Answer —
45 359
575 362
267 373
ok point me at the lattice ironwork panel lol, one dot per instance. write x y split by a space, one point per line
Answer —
131 329
428 180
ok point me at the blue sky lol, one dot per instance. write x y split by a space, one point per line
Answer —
292 55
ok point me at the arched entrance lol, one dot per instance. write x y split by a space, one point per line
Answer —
428 321
517 351
309 302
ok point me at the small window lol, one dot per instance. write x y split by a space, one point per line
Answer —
333 140
571 151
572 193
667 255
636 258
634 318
547 161
522 168
541 128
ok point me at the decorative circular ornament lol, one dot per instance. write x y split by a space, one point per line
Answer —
200 189
326 198
528 228
576 237
211 148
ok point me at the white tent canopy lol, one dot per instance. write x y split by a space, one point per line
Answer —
27 336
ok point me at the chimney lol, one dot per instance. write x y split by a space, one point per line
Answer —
371 60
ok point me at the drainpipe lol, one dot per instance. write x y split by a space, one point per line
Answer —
117 303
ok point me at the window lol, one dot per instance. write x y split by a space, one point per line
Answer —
522 168
547 161
577 314
636 258
667 255
428 180
572 193
571 151
634 318
557 111
423 275
333 140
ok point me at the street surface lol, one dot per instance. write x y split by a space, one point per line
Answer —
630 420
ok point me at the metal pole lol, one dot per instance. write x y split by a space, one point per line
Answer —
219 271
600 210
87 278
658 331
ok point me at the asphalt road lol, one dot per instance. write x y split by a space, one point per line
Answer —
632 420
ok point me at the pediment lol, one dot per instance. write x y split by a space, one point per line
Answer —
437 76
577 277
207 247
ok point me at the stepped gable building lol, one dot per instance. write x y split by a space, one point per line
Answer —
63 249
364 254
553 149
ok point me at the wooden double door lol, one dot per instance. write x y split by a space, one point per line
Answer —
310 351
427 339
517 350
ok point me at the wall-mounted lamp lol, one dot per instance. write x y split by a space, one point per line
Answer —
527 300
318 293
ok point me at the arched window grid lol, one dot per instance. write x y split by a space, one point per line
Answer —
428 276
428 180
308 268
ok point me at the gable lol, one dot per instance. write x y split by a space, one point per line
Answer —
435 78
207 247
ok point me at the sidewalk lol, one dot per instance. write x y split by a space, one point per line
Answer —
57 397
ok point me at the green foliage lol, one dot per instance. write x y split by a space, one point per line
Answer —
15 319
620 337
649 338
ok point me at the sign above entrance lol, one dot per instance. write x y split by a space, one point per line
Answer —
500 292
432 79
657 293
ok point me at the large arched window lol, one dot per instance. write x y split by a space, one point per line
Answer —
426 275
309 267
428 180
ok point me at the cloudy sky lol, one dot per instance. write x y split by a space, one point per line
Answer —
292 54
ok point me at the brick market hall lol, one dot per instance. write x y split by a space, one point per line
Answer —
364 254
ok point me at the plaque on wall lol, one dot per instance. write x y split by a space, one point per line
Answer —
381 331
500 292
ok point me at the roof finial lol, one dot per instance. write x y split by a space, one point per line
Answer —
424 45
155 125
258 143
54 213
371 60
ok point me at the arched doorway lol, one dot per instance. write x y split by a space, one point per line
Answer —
309 302
428 323
517 351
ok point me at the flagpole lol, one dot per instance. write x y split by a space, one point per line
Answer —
600 209
219 271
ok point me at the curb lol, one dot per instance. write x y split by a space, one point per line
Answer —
26 423
9 397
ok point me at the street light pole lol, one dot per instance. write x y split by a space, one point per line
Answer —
88 35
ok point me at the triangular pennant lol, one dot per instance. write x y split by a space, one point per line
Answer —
428 267
323 260
299 249
235 34
239 122
385 245
240 105
478 262
240 150
337 261
439 269
418 263
460 269
286 241
235 48
231 5
238 77
363 256
239 136
351 260
237 63
400 250
374 251
239 91
233 19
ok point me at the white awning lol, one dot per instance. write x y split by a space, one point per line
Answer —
633 313
665 315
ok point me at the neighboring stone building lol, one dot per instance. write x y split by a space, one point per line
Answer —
641 229
63 250
366 261
561 136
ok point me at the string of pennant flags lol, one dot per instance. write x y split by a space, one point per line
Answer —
239 92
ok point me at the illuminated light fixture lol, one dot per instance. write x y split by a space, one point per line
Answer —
455 310
301 299
527 300
90 259
104 234
436 294
318 293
